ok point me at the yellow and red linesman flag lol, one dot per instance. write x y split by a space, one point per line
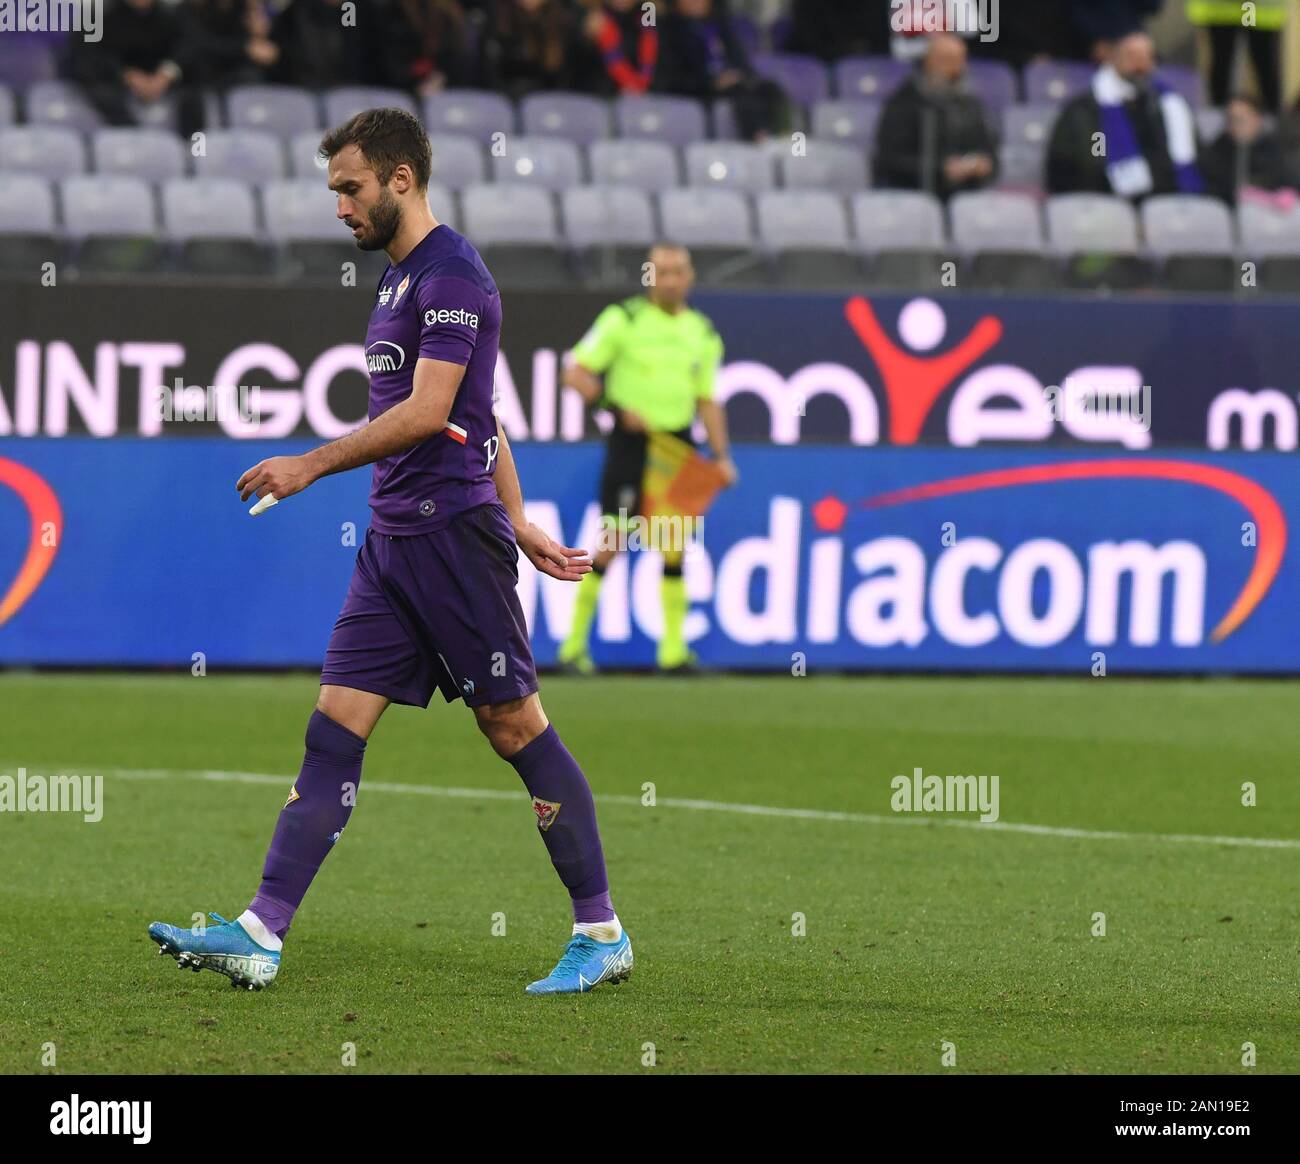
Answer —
678 481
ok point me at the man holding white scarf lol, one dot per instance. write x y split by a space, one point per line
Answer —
1129 135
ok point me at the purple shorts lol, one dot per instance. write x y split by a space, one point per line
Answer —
436 611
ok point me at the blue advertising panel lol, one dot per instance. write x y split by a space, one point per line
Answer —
138 552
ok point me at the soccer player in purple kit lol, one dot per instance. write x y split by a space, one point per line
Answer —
432 602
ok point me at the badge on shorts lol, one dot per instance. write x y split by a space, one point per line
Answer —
293 795
547 811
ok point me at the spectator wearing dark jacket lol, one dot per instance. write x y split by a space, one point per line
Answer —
317 51
626 45
1104 23
139 57
935 134
1129 135
831 29
702 56
531 45
425 45
1246 156
226 42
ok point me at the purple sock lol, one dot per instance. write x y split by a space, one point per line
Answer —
566 818
311 820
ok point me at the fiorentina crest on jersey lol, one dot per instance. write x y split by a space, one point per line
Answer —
401 290
547 811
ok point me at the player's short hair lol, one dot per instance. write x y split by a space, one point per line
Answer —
669 245
386 139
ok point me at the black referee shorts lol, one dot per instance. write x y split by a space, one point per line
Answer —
620 482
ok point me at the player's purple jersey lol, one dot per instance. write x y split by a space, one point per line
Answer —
439 302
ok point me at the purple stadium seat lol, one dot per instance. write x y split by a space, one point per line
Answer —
457 160
279 109
346 102
251 155
804 79
509 213
107 204
704 217
153 154
42 149
850 122
27 58
8 112
814 219
994 81
304 156
208 208
301 209
826 165
576 117
466 111
729 165
1056 81
549 162
607 215
647 165
873 78
61 103
676 120
26 205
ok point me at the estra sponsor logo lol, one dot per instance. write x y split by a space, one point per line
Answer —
804 580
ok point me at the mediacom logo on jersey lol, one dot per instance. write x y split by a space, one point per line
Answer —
450 315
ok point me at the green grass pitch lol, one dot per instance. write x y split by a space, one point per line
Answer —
918 933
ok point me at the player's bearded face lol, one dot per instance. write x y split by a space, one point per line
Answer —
385 218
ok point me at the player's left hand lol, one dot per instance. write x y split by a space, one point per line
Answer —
567 563
730 474
283 476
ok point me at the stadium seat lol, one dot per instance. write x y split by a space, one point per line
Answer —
549 162
1055 82
901 233
304 156
347 101
50 150
825 165
153 154
301 216
850 122
251 155
1186 80
8 107
576 117
729 165
873 78
807 234
457 160
1096 235
804 80
60 103
675 120
212 222
1026 132
113 221
29 232
443 203
469 112
647 165
722 116
1271 240
27 59
1192 236
1002 235
610 229
716 225
995 82
513 226
1210 123
279 109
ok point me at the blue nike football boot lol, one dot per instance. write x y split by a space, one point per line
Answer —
226 948
585 965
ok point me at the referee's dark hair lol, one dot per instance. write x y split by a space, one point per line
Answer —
386 139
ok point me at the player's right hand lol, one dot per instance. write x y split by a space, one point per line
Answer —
567 563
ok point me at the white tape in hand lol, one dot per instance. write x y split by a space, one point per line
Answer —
262 506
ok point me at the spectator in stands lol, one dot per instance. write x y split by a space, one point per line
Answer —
1104 23
1130 135
935 134
702 56
832 29
139 57
226 42
530 45
1248 161
426 45
1040 31
1226 28
627 45
318 51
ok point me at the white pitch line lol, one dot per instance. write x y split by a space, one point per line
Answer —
723 806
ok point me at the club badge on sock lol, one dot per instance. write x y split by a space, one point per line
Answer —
547 811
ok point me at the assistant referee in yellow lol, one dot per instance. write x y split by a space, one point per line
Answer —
659 359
